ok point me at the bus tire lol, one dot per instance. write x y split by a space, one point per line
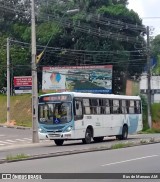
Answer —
124 133
88 136
98 139
59 142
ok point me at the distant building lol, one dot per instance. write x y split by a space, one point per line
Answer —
155 87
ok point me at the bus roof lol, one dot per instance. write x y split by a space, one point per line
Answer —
92 95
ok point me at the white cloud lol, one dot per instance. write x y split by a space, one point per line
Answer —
147 9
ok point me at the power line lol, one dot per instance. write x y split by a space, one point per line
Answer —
75 50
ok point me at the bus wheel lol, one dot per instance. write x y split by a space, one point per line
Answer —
98 139
124 133
88 136
59 142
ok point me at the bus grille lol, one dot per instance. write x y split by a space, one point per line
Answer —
54 135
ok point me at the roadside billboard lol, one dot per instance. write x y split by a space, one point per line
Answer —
94 79
23 84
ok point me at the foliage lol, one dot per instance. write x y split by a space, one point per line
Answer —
47 31
150 130
155 46
144 112
156 69
53 29
155 110
16 157
121 145
120 11
155 52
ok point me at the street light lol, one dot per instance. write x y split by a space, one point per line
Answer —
35 138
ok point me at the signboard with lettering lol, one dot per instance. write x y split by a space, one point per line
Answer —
94 79
55 98
23 84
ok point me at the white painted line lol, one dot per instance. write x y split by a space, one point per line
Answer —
20 140
2 135
5 142
2 144
12 141
109 164
27 138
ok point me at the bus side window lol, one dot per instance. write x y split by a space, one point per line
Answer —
131 107
86 104
124 107
94 103
78 110
108 108
111 106
116 107
137 107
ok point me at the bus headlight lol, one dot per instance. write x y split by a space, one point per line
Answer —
69 128
42 130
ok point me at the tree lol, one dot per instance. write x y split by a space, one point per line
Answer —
92 28
15 18
155 46
77 33
155 53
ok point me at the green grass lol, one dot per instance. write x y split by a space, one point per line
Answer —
121 145
20 109
155 112
150 130
16 157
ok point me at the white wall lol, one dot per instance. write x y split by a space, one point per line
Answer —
156 98
155 82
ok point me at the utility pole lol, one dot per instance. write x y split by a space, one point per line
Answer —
35 138
149 80
8 81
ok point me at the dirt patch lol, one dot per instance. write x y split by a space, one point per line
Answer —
156 125
10 123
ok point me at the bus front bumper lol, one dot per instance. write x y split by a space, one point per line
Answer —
54 135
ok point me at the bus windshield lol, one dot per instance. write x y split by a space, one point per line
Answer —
55 113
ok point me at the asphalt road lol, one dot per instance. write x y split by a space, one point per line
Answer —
140 159
11 146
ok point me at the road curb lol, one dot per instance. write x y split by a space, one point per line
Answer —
57 154
16 127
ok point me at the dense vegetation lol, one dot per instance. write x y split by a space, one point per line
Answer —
104 32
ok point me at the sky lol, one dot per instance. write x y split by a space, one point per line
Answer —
147 9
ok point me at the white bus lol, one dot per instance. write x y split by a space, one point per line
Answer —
87 116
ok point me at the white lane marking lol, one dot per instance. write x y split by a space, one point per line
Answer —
3 142
2 135
129 160
20 140
12 141
27 138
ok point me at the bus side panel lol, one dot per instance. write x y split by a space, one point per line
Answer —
117 123
135 123
108 125
95 121
79 129
98 125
